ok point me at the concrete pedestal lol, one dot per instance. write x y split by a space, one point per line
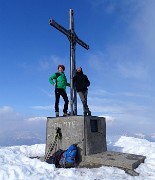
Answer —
89 132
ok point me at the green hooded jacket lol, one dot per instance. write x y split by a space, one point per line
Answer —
59 79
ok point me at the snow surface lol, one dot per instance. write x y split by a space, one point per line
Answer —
15 163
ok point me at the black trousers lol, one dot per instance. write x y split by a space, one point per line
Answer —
61 92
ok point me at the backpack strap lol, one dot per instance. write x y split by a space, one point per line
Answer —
57 75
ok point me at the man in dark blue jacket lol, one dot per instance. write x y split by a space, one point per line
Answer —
81 83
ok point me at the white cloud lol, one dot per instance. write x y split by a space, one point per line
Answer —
5 109
109 119
41 107
101 95
133 70
7 112
44 64
96 61
144 27
47 63
106 6
9 119
125 108
48 94
133 54
36 119
56 60
112 6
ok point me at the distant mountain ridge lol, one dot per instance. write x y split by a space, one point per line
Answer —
150 137
21 138
31 138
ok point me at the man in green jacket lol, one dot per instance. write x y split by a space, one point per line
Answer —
60 83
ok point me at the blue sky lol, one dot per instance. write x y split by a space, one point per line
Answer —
120 62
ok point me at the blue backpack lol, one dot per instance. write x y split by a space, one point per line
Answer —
69 157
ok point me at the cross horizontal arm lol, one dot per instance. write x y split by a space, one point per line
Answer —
83 44
59 27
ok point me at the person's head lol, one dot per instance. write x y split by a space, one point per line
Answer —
79 69
61 68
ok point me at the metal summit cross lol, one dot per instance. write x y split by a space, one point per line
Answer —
73 38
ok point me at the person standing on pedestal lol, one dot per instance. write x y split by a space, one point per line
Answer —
81 83
60 84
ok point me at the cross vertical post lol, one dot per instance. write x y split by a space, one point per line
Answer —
73 38
73 94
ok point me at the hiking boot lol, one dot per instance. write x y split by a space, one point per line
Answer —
85 113
57 114
65 114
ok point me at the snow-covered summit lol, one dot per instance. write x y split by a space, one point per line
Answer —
15 163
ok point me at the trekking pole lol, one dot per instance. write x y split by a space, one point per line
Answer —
52 145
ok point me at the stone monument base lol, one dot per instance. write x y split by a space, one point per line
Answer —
125 161
89 132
